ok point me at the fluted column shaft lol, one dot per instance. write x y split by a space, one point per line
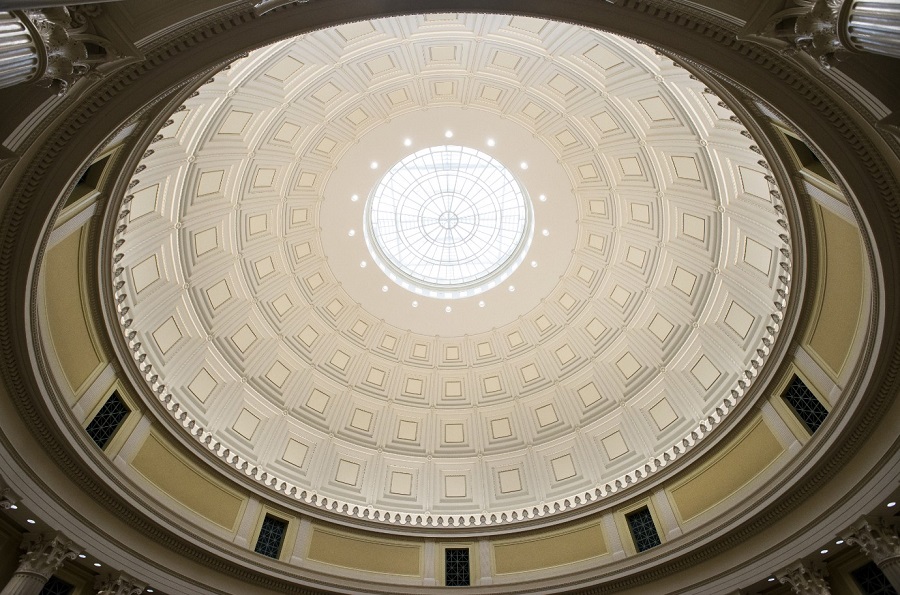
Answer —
871 26
43 556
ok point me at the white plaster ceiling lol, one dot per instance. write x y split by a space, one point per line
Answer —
653 304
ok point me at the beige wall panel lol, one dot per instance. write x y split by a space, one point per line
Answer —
537 552
347 551
841 290
66 312
160 463
741 460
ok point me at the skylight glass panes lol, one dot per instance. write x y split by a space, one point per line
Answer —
448 222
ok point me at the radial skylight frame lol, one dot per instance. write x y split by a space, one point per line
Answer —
448 222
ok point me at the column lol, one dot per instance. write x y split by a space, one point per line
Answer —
805 578
871 26
43 556
118 584
877 538
20 55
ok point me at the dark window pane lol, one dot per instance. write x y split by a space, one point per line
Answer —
107 420
56 586
871 580
271 536
456 567
805 405
643 531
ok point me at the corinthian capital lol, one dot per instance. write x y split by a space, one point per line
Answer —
44 554
118 584
805 578
876 537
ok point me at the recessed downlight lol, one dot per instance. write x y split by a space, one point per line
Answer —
512 288
823 551
448 134
407 142
448 309
384 288
491 142
98 564
374 165
891 504
13 507
545 232
481 304
415 304
82 556
542 198
351 233
362 264
839 542
355 197
524 165
31 521
534 264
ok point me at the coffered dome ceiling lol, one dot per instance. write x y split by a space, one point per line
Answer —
642 309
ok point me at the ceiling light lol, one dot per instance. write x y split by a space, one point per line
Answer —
31 521
839 542
13 507
449 134
534 264
374 165
82 556
384 288
771 579
481 304
415 304
545 232
362 265
448 309
891 504
351 233
98 564
512 288
823 551
543 198
407 142
491 142
150 590
354 198
523 165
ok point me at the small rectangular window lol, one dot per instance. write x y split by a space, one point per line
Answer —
805 405
456 567
271 537
108 419
643 531
872 581
57 586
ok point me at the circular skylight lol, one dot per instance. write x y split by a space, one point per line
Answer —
448 222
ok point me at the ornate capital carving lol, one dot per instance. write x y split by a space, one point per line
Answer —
809 26
118 584
7 499
805 578
44 554
73 50
876 537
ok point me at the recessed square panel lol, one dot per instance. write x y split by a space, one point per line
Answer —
398 96
543 323
567 301
361 420
334 307
490 93
359 328
640 212
420 351
588 172
218 294
656 109
317 401
684 281
585 274
598 207
246 424
326 146
235 122
308 335
533 111
202 385
705 372
388 342
454 433
327 92
278 374
595 328
282 304
455 486
757 256
562 84
347 472
619 295
451 353
442 53
413 386
602 57
205 240
265 177
286 134
694 227
145 273
452 389
661 327
563 467
166 335
566 138
754 182
636 256
506 60
484 349
738 319
264 267
295 452
257 224
299 216
546 415
444 88
565 354
352 31
614 445
375 376
515 339
530 373
284 69
492 384
630 166
340 360
407 430
500 428
357 116
596 242
604 122
589 394
210 182
380 65
244 338
144 202
510 481
663 414
529 24
401 483
307 179
315 281
628 365
686 168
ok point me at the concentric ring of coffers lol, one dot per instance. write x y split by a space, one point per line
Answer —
671 297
